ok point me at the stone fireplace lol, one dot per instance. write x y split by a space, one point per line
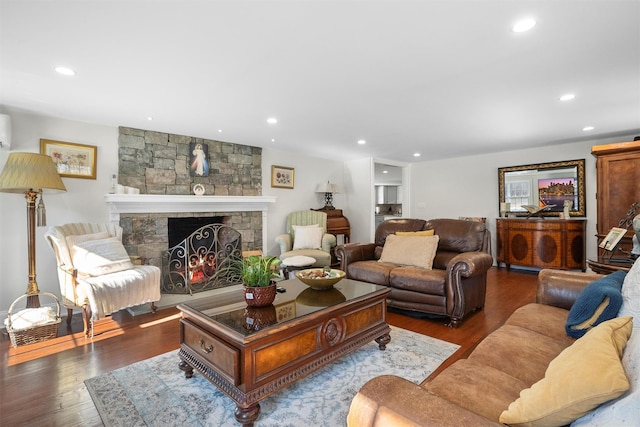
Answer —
144 219
157 164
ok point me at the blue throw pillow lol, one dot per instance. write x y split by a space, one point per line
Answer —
599 301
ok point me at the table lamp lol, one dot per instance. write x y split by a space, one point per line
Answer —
30 174
328 189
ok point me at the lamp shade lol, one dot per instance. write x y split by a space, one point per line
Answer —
26 171
327 188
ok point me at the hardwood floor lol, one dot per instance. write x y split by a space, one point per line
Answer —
42 384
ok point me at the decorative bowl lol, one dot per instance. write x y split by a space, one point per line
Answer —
315 279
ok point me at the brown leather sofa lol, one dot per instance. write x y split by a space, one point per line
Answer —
454 287
475 391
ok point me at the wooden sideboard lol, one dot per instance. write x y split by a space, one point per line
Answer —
541 243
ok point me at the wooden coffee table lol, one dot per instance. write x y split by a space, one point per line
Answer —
250 354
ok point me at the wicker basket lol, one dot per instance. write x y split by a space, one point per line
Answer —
36 333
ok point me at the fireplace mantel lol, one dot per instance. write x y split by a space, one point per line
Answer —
161 203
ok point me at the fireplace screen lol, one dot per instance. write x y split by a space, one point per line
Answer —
202 261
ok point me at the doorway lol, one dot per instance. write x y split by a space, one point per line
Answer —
389 192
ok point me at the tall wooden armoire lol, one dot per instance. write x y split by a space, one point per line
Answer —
618 188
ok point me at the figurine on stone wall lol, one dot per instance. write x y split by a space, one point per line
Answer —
199 162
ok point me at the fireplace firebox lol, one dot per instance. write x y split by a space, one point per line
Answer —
202 261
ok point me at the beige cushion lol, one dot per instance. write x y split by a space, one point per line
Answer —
103 256
585 375
298 261
307 236
79 238
416 233
418 251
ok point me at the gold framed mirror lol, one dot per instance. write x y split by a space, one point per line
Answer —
546 185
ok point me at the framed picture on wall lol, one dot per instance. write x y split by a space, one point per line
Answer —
198 159
282 177
72 160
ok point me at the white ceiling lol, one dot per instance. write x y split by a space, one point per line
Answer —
387 174
443 78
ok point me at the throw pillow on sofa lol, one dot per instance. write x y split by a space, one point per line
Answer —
416 233
631 293
102 256
418 251
583 376
307 236
599 301
75 239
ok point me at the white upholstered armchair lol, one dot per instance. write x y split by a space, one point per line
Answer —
303 237
96 274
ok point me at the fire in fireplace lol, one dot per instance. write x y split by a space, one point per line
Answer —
201 260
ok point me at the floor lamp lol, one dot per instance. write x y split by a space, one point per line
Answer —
30 174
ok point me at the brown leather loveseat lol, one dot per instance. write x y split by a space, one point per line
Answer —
454 287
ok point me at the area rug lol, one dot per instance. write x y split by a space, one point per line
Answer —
154 392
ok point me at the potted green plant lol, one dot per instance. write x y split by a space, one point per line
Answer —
257 274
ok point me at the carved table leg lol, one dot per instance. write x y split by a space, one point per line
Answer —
188 369
383 341
246 416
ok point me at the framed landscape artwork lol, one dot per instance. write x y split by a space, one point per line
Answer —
553 192
282 177
71 160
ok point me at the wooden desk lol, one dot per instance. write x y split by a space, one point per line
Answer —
250 363
608 266
337 224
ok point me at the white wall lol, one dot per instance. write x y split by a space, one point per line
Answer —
358 182
468 186
309 172
83 201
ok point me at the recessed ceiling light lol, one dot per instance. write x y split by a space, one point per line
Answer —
416 154
149 118
272 120
362 141
219 130
524 25
385 171
65 71
273 140
588 128
567 97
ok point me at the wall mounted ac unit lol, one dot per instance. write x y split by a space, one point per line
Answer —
5 131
